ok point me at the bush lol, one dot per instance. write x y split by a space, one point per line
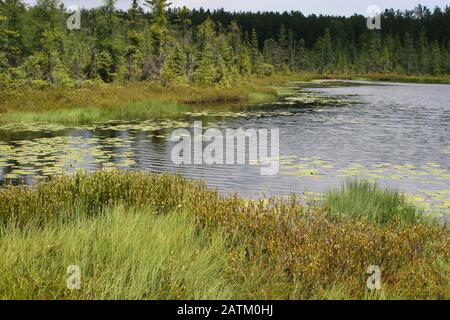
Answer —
265 69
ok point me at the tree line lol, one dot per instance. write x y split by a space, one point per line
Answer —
180 45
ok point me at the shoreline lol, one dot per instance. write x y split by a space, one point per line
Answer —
151 100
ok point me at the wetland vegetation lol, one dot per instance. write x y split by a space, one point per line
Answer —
76 105
150 236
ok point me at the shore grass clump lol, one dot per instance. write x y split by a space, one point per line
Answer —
145 110
276 248
362 198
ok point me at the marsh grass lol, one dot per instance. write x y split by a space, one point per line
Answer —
140 100
79 116
275 248
122 254
365 199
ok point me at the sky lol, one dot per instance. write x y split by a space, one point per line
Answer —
333 7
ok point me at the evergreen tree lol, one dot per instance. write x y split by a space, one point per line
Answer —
206 71
12 29
210 47
326 54
436 58
409 54
245 65
159 27
174 69
423 54
301 57
134 55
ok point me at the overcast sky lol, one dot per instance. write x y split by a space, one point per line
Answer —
335 7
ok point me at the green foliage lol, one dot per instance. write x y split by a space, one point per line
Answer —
146 110
366 199
134 45
159 26
206 70
122 253
174 69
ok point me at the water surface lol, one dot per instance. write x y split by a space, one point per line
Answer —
395 134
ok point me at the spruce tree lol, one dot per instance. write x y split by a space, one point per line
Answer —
436 59
206 70
174 69
159 24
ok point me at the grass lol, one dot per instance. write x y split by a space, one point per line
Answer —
360 198
142 100
79 116
275 248
122 254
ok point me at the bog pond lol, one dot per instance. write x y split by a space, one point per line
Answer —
395 134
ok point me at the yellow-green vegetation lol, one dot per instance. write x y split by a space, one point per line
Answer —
123 254
78 116
139 235
388 77
140 100
153 100
358 198
441 79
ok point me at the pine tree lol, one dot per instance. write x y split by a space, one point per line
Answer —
134 55
436 59
12 29
301 56
159 26
409 54
224 76
423 54
245 65
255 54
108 58
174 69
327 53
206 71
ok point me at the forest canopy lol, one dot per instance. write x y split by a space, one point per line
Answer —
156 42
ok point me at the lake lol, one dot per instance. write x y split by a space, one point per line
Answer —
330 131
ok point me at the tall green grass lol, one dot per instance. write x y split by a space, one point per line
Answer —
122 254
274 248
365 199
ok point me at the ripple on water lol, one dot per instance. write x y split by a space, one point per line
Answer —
395 135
